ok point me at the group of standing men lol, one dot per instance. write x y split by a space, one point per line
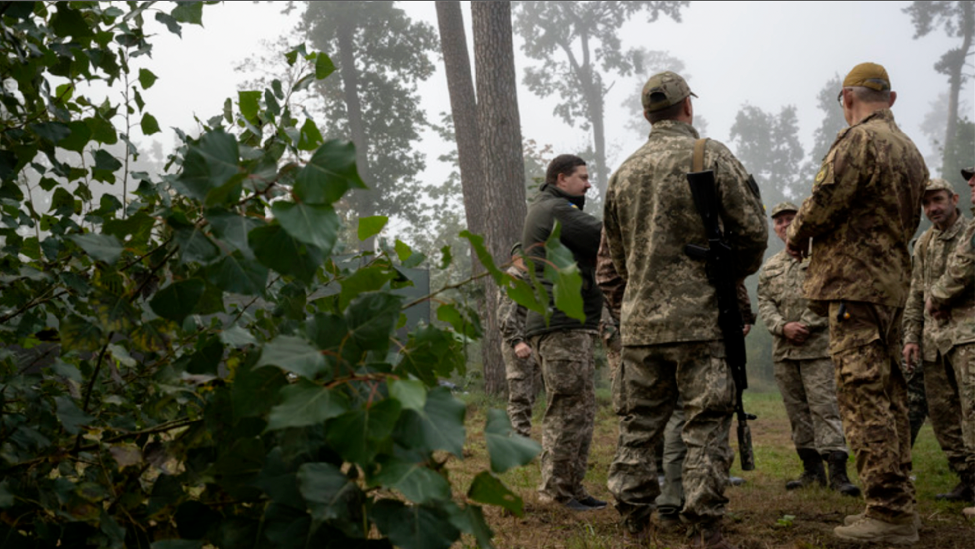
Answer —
836 317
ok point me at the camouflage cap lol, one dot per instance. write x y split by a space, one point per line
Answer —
938 184
868 75
967 173
663 90
784 207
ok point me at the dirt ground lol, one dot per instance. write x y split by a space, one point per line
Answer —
762 515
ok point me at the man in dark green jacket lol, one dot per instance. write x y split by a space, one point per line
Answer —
564 345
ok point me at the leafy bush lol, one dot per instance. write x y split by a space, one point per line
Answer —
192 364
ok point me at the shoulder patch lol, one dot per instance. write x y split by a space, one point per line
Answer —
821 175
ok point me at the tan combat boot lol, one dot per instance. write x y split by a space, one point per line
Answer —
872 530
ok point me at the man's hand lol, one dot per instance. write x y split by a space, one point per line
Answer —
522 350
796 332
797 250
746 329
912 356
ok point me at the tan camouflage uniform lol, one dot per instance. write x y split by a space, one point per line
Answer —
523 375
955 290
803 372
864 208
936 339
672 345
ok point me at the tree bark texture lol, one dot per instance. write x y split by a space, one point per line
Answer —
954 69
350 87
503 164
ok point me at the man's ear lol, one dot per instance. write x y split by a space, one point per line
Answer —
893 97
646 114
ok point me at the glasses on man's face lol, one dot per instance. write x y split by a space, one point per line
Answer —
839 98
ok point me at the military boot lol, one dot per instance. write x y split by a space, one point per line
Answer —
812 470
872 530
708 537
964 491
837 475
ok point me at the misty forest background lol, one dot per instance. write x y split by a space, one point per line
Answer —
570 54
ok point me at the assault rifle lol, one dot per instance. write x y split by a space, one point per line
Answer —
720 266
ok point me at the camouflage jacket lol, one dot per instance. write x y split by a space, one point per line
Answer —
511 316
864 209
956 287
608 280
650 216
780 302
930 257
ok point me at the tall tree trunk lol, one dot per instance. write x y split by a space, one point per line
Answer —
503 209
599 137
955 81
364 203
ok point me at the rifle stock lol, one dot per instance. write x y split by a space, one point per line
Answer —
720 266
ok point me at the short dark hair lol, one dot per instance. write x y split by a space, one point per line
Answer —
669 113
564 164
869 95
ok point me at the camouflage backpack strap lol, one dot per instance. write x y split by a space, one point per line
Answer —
698 163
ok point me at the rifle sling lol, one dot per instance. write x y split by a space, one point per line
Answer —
698 163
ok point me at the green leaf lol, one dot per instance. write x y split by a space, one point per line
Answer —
102 130
306 403
294 355
506 448
146 78
250 104
329 174
327 490
447 312
188 12
489 490
69 22
170 22
149 124
176 301
105 166
237 275
355 434
470 520
80 136
440 426
483 255
371 319
312 224
78 334
414 526
414 480
278 250
255 390
101 247
521 292
323 66
72 418
411 394
54 132
561 267
310 136
371 226
209 164
366 279
177 544
446 258
232 229
6 496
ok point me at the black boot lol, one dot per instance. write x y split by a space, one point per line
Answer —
812 470
837 475
964 491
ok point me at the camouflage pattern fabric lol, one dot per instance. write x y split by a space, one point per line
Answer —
955 288
917 402
930 259
650 216
671 498
745 305
941 388
645 392
863 211
608 280
872 396
808 390
609 334
568 370
523 376
963 357
780 301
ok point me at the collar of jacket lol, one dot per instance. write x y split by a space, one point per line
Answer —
674 127
950 232
577 201
879 114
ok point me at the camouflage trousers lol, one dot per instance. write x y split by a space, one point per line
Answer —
645 393
671 498
942 391
963 359
808 390
568 370
524 379
917 402
872 396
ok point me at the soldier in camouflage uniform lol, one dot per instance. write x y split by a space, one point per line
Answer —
522 373
929 341
864 209
803 370
953 296
564 346
672 345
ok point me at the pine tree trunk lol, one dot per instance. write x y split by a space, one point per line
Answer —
955 83
503 209
364 203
